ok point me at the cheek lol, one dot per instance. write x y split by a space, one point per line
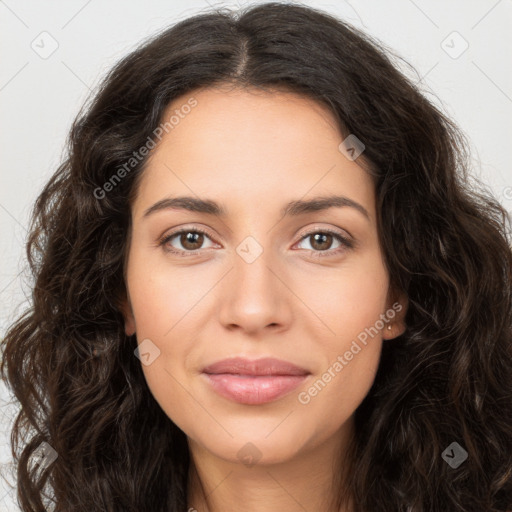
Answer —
352 307
161 294
349 300
333 396
163 300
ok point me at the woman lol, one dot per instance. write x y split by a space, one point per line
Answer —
263 282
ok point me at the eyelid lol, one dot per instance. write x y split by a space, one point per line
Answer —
333 231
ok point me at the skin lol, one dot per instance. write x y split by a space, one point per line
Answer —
253 152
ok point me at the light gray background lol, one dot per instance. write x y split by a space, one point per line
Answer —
39 97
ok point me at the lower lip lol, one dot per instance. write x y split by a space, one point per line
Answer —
254 390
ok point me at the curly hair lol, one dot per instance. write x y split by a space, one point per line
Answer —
446 241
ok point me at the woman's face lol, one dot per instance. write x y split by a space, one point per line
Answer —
265 277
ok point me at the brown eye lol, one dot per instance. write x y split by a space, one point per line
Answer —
191 240
185 241
321 241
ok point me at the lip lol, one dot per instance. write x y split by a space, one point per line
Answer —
254 382
255 367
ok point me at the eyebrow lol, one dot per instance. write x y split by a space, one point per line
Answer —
293 208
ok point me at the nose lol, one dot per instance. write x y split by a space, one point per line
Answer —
254 294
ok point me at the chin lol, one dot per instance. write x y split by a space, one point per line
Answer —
255 441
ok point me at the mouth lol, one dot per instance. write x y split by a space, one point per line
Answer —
254 382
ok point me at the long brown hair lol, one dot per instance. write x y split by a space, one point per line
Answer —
447 379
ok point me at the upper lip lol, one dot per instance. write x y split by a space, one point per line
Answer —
264 366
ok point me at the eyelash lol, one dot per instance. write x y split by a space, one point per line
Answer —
345 242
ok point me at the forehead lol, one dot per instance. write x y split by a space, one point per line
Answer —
250 118
251 146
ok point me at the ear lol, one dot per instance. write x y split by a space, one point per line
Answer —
129 319
396 309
